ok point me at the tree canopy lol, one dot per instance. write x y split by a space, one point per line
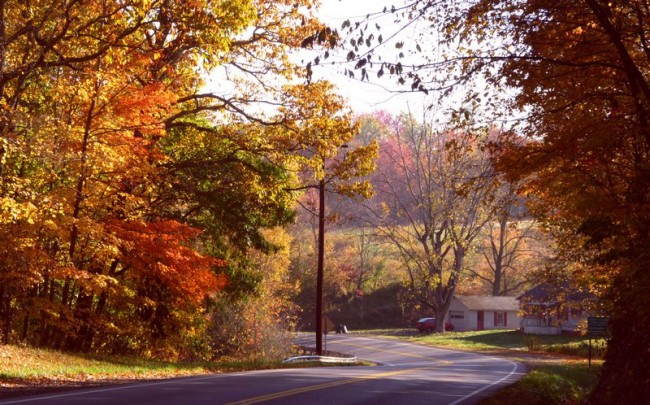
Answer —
578 71
132 189
435 193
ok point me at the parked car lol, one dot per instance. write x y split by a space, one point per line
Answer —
429 325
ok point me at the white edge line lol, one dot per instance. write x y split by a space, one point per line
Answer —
471 394
82 391
169 381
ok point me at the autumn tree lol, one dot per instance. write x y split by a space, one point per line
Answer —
128 190
363 276
580 68
371 266
579 72
85 92
332 171
258 325
512 250
434 190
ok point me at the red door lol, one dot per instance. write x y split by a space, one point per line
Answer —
479 320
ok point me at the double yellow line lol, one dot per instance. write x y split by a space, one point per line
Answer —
295 391
440 362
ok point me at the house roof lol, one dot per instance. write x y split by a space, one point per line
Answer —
548 292
488 303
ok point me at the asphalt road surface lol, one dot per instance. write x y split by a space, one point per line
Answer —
407 374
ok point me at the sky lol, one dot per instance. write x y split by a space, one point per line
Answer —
362 96
372 95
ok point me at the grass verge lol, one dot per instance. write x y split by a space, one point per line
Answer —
499 340
566 383
558 367
25 370
31 363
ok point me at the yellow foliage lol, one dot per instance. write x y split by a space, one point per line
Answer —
93 227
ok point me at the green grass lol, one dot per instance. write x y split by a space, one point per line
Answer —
554 377
21 363
501 340
559 371
480 340
30 367
568 383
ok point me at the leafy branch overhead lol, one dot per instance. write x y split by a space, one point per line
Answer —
374 49
576 73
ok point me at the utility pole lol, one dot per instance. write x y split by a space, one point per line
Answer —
321 258
320 271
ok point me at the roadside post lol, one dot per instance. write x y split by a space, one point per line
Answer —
597 326
327 326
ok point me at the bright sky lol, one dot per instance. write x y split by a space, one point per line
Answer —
362 96
374 95
365 96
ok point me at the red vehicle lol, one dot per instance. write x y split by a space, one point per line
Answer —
429 325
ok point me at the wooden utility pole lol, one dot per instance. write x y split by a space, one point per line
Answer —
319 277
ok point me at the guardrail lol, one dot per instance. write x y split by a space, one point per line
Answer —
322 359
309 354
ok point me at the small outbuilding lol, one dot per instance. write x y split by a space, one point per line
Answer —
551 309
475 312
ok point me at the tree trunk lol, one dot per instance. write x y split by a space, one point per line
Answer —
625 377
83 312
498 253
5 314
441 316
24 334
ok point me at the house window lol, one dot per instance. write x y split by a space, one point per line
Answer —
456 315
500 319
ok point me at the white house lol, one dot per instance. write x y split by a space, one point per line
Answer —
473 312
551 309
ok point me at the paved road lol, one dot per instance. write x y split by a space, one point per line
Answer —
409 374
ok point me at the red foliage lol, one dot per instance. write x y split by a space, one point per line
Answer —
160 251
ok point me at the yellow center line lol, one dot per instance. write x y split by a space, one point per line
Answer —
295 391
441 362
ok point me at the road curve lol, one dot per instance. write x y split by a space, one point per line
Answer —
408 374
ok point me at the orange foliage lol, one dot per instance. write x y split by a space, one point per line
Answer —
158 251
92 231
144 108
